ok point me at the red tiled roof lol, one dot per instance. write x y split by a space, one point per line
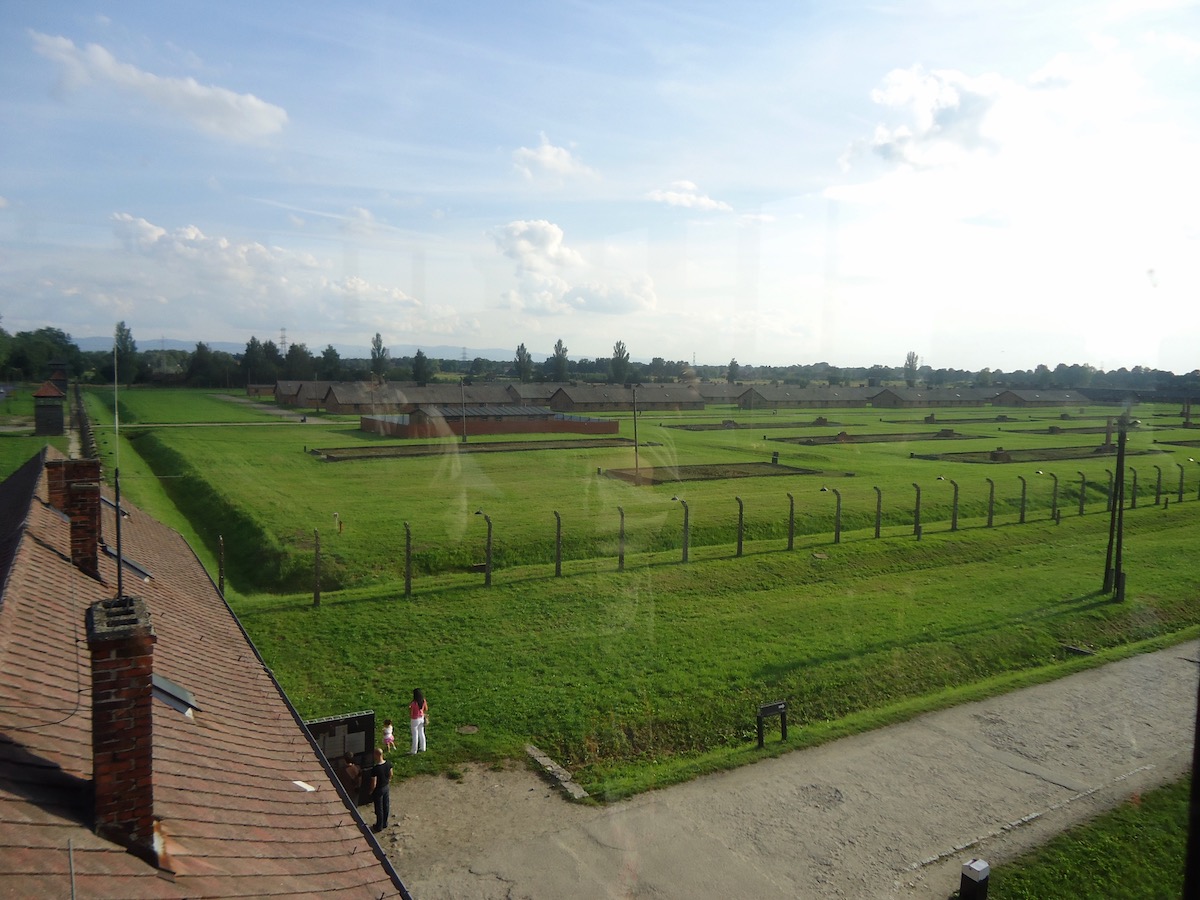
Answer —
48 389
233 820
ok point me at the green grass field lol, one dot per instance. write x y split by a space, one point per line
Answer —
269 495
652 675
1135 851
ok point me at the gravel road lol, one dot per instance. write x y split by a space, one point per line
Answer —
892 813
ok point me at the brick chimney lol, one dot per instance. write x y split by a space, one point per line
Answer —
121 641
74 488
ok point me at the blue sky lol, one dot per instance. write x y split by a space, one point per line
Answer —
993 184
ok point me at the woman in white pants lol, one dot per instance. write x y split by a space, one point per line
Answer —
418 713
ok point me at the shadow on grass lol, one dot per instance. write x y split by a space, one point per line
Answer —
1058 610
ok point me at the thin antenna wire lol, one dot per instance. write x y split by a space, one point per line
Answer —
116 413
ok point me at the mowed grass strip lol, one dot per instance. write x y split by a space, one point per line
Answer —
179 406
651 676
1135 851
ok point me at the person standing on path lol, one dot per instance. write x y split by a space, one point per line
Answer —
381 776
418 714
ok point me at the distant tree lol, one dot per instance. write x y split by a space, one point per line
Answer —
125 354
299 364
329 366
523 364
732 373
877 374
421 370
984 378
1042 377
558 362
834 376
379 356
253 361
618 367
32 351
911 363
200 370
273 363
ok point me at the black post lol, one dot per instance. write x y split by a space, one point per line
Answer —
317 568
973 884
1024 492
1116 501
683 503
621 541
991 500
741 523
557 545
1158 486
686 530
1180 481
407 560
954 508
878 510
792 520
1082 491
1118 573
487 558
917 512
1054 498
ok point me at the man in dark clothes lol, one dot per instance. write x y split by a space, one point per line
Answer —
381 776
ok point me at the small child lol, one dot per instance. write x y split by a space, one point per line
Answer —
389 739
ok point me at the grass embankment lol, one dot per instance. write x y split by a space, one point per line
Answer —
652 676
1135 851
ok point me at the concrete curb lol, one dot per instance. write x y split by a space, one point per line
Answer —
556 773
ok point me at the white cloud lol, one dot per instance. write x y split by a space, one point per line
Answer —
948 115
536 246
616 297
548 159
214 110
203 277
688 196
1175 43
553 279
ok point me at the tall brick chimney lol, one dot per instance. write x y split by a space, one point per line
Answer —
121 641
74 488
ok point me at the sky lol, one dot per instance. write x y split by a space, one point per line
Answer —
1000 183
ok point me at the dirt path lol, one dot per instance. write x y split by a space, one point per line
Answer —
893 813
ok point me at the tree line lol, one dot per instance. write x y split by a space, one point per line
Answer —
25 356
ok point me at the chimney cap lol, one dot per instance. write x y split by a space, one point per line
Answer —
118 619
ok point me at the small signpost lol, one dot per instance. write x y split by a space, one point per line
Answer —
765 710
